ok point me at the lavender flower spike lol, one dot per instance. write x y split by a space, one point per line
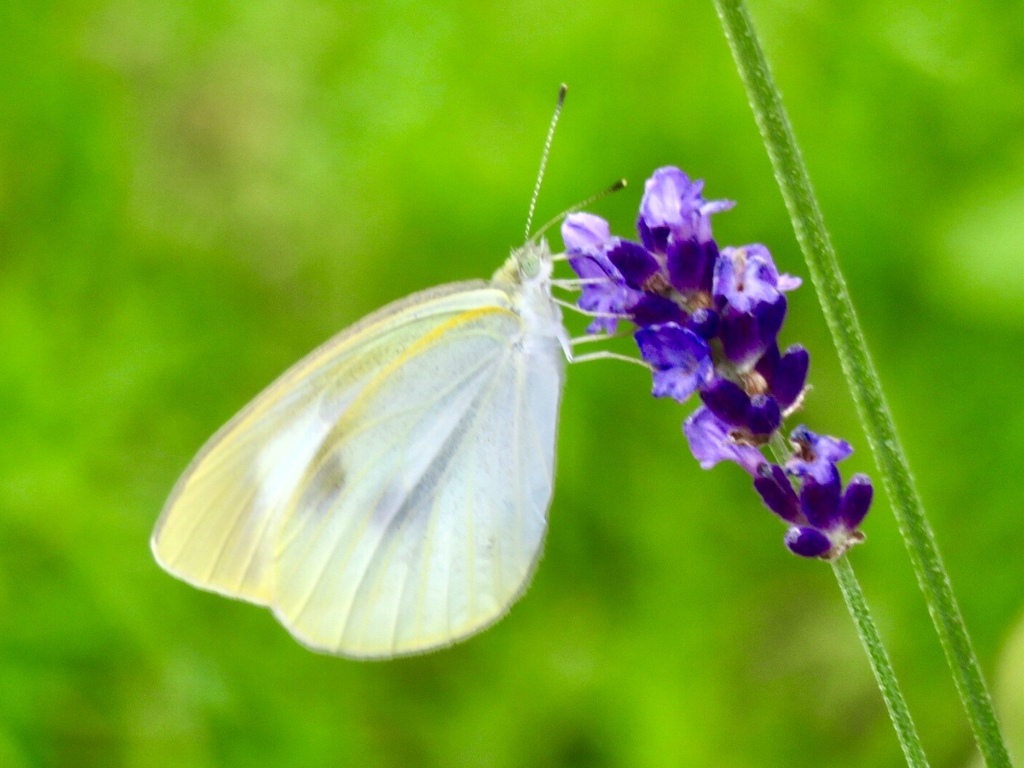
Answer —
707 321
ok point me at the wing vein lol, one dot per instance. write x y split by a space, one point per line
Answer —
353 482
447 452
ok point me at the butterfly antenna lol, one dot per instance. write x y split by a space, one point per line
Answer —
544 156
620 184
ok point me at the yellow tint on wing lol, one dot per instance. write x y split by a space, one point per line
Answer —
217 528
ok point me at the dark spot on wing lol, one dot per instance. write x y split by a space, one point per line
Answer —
326 485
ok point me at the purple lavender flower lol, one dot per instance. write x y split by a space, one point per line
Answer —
815 454
673 205
807 542
747 290
585 233
755 417
785 375
746 336
675 222
587 241
821 513
680 359
747 276
708 321
711 442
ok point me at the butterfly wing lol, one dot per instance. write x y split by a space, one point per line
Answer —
216 527
419 524
388 494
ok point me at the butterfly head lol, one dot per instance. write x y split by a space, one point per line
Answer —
526 278
528 265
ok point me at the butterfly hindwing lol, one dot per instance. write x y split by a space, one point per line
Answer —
419 524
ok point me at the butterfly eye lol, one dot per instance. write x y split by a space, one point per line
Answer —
529 262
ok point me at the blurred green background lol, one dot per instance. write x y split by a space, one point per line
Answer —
195 194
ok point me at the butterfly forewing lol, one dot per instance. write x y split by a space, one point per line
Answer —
216 528
387 494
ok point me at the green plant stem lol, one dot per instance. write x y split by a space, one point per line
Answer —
880 663
794 181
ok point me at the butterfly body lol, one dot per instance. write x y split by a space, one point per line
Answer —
388 494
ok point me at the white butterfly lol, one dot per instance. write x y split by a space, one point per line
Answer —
388 494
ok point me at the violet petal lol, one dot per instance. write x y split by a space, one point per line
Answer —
819 501
856 501
704 322
670 345
790 375
727 401
681 383
741 340
710 442
770 317
585 233
816 454
680 358
633 262
652 309
773 484
691 264
764 415
807 542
